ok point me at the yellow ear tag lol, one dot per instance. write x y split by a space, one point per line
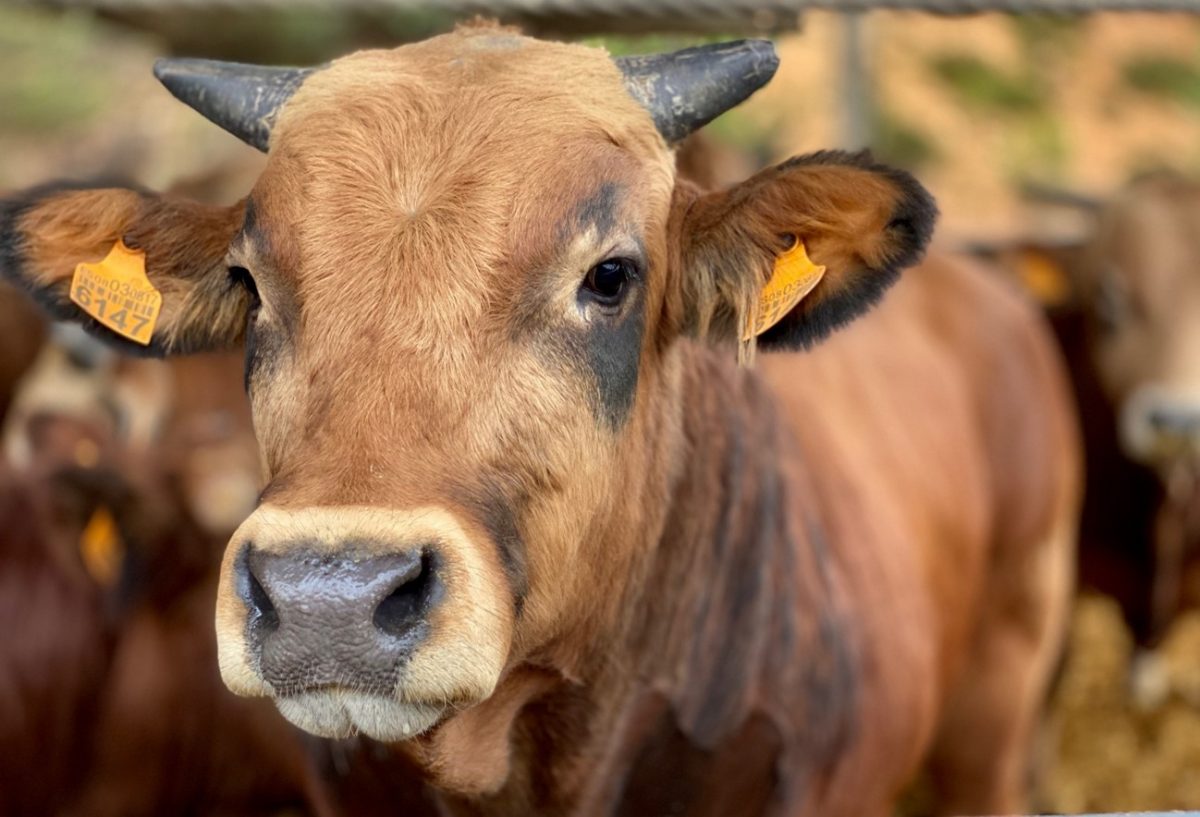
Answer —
117 293
101 547
794 277
1045 280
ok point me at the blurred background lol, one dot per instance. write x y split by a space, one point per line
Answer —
1023 126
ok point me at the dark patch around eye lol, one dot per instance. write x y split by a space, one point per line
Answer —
498 515
252 231
611 348
599 210
250 217
251 362
264 344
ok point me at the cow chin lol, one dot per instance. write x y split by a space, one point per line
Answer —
343 713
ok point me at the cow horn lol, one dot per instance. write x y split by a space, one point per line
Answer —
684 90
242 99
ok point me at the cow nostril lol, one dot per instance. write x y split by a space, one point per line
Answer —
1172 421
264 616
1159 419
405 607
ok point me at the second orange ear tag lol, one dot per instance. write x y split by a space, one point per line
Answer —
101 547
117 293
794 277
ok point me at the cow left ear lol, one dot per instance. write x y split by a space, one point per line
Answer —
862 221
158 281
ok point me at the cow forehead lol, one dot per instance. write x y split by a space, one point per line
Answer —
463 154
454 92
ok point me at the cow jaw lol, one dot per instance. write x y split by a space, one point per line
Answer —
334 680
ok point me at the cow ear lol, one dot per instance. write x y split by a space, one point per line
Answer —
1051 274
861 221
46 233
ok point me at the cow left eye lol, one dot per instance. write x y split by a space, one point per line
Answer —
607 281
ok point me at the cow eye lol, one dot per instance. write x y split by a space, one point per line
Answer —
240 276
607 281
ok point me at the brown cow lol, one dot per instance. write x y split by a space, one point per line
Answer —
22 332
54 646
110 699
526 518
1124 303
168 738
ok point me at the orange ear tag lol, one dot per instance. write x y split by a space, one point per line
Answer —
101 547
794 277
117 293
1045 280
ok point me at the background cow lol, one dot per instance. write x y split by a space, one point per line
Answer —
526 518
1125 305
110 700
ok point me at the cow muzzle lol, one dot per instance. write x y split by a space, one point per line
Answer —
318 620
359 620
1161 427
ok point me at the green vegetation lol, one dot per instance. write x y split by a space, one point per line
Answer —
622 46
1040 147
1019 100
734 127
301 35
48 71
988 88
897 142
1167 78
1044 35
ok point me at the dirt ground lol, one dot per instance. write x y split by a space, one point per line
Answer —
1106 753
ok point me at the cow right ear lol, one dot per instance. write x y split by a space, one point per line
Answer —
46 233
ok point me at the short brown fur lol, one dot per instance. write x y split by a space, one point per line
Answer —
731 575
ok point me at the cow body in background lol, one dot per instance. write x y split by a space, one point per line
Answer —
1124 301
526 519
110 699
53 653
22 332
168 737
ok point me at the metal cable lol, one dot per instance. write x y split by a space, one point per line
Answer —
708 11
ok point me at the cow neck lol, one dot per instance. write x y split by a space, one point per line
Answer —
735 651
730 662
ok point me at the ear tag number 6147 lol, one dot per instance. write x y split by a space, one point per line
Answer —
117 293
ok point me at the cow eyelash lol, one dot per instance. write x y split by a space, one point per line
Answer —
241 277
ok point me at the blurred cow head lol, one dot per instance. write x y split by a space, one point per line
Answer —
1142 281
462 281
1135 279
80 404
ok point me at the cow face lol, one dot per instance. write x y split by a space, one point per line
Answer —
462 281
1138 276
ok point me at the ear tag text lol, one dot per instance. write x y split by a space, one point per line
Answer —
101 547
795 276
117 293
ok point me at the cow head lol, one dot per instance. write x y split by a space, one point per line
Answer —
1132 279
462 281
